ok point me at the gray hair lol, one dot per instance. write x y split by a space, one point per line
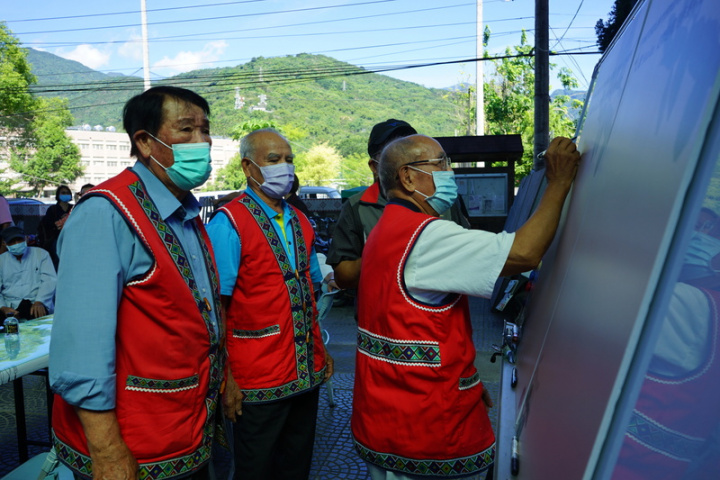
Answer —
393 157
247 143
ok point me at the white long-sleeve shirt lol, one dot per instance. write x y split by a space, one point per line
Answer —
32 276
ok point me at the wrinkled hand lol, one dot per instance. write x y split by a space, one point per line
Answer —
330 362
561 160
487 400
114 462
231 398
38 310
329 280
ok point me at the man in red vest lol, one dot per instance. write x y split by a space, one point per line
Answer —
267 269
361 212
135 357
419 407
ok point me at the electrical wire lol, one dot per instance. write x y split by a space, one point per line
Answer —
569 25
223 17
131 12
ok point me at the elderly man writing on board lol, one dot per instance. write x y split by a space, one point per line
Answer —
419 407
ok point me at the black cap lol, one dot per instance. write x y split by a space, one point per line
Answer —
388 130
12 232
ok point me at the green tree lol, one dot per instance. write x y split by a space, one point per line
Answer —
251 125
51 158
509 101
354 171
230 177
320 165
606 31
17 104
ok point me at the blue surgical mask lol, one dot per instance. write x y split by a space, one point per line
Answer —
278 179
192 164
446 190
17 249
65 197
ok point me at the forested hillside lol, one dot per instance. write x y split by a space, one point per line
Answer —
316 97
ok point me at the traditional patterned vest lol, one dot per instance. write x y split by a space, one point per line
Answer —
417 405
167 363
274 344
674 418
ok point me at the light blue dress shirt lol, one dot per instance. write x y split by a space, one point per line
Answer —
99 254
227 245
31 277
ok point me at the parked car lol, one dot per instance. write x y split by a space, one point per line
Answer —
27 213
318 192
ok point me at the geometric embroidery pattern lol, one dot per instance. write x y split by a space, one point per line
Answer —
470 381
439 468
216 358
148 471
403 352
661 439
265 332
301 305
260 395
161 386
186 464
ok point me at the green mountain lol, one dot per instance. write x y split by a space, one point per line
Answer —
95 97
328 100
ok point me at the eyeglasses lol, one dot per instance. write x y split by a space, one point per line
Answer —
441 163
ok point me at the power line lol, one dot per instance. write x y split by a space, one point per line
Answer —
228 83
569 25
133 12
223 17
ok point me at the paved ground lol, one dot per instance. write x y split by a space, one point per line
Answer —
334 456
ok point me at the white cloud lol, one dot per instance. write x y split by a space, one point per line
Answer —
186 61
132 48
88 56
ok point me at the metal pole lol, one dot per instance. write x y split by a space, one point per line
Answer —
542 77
479 94
146 51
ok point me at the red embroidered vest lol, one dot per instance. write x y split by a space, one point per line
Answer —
274 344
167 363
417 404
674 418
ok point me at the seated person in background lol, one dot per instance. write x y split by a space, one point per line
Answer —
27 277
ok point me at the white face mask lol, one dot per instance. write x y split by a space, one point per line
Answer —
278 179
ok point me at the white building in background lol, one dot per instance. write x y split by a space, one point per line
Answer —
105 153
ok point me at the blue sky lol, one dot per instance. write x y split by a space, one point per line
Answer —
186 35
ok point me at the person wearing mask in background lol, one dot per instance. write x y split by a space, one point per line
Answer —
54 220
419 406
136 361
361 212
27 277
267 267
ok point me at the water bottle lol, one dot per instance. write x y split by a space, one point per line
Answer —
12 336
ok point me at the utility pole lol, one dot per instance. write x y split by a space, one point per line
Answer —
542 77
146 51
479 94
